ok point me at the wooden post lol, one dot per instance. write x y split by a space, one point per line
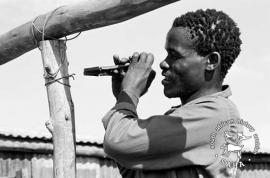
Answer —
62 123
22 173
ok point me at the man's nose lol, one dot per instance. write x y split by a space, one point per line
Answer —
164 65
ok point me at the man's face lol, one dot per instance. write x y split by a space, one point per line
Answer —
183 68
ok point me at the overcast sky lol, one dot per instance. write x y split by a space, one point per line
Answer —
23 98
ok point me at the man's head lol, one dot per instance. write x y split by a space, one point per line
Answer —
201 47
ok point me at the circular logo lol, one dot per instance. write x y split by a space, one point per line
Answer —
230 138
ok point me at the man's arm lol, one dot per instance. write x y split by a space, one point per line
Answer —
159 141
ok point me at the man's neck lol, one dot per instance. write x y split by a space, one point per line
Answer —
200 93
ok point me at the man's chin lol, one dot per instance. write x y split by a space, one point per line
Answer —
168 94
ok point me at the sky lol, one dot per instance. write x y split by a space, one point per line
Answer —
23 98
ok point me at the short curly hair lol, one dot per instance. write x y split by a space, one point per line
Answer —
215 32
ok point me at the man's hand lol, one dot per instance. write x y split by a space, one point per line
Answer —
140 74
118 76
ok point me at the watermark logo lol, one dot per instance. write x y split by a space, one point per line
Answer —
232 135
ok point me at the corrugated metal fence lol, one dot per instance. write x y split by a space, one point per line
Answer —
30 156
40 166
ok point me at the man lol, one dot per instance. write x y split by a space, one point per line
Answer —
201 47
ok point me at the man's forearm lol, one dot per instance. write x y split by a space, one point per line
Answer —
138 143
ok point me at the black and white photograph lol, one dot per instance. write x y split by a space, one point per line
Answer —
134 89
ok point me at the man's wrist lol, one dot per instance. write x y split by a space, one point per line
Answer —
133 95
127 103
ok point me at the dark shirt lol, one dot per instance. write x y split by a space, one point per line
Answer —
173 145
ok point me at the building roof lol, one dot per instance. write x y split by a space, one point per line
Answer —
46 136
255 165
42 143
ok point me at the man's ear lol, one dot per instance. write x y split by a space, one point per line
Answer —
213 61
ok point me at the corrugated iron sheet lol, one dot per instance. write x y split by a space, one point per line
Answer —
43 136
259 171
41 166
256 165
89 164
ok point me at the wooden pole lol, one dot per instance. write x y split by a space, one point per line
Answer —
22 173
71 19
62 123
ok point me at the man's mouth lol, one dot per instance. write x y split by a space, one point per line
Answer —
165 82
166 79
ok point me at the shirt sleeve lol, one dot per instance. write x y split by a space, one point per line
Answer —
160 141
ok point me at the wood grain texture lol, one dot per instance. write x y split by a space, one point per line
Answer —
61 108
67 20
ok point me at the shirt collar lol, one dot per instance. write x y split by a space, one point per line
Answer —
225 92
